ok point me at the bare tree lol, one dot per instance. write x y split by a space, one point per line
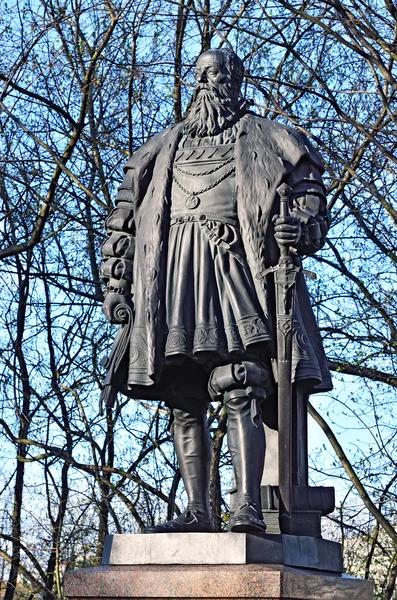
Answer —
83 85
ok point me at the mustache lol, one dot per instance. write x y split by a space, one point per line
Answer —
205 86
206 90
221 93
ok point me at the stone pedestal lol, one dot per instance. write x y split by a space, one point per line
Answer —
222 549
233 566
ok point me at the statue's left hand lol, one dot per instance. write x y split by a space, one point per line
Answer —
287 231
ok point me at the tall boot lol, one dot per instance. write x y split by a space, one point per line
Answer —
193 450
242 386
246 442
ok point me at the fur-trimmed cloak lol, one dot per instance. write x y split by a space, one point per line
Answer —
266 154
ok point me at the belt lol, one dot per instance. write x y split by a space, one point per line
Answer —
203 219
211 234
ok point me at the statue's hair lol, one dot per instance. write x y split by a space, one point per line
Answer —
234 65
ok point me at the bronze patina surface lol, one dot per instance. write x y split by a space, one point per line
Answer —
203 272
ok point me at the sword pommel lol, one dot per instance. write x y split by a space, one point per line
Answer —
284 190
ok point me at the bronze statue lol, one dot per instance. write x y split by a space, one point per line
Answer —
193 240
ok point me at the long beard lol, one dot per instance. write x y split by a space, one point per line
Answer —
211 112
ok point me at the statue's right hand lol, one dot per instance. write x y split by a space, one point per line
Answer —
117 308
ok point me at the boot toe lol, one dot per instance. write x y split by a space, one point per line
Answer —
188 522
246 520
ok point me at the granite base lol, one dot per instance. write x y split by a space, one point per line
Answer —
211 582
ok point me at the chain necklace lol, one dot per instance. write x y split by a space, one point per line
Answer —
217 168
206 189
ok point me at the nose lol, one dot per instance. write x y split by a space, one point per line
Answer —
203 77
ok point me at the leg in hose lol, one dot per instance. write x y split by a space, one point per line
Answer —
242 386
193 449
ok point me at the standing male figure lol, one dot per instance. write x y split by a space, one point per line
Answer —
194 229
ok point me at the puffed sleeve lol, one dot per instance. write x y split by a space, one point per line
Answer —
118 250
308 204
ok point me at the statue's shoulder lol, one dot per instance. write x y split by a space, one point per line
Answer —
251 121
289 142
149 150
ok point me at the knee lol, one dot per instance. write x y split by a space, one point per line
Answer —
242 388
239 380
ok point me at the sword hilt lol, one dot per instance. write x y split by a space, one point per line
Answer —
284 206
284 192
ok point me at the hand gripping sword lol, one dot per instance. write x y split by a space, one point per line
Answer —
285 279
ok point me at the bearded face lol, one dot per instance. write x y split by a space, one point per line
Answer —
211 112
214 107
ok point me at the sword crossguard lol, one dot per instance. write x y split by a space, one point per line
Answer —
265 272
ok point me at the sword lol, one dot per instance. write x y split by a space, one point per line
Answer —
285 279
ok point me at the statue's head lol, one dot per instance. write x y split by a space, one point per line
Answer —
220 69
218 74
